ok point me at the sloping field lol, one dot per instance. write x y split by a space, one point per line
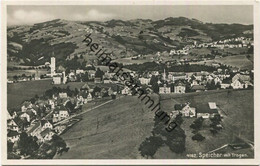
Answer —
114 131
238 122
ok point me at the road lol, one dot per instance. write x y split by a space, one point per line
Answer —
83 112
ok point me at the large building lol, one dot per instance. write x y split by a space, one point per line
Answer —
164 89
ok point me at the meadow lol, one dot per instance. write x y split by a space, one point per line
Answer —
116 130
19 92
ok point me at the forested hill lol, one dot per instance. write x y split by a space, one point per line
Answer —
34 45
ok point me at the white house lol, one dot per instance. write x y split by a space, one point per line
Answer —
126 91
179 88
185 110
56 80
60 113
13 136
144 81
164 89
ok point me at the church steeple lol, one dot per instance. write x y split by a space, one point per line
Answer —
164 75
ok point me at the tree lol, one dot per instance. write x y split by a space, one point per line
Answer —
149 147
154 83
27 144
58 142
197 124
198 137
176 140
213 131
10 146
15 77
99 73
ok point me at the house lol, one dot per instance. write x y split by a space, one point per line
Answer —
80 71
179 88
239 84
26 105
144 81
56 80
89 97
240 81
106 81
198 88
97 80
164 89
63 95
13 136
60 128
11 125
185 110
51 103
242 77
11 114
34 129
60 113
46 135
226 83
206 110
46 124
126 91
28 115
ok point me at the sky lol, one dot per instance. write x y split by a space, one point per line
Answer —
28 15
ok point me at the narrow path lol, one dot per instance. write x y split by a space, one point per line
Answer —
83 112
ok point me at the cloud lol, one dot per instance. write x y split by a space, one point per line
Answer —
92 15
22 16
28 17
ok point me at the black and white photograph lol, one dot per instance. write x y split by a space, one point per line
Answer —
129 82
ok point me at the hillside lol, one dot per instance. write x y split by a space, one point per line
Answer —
115 131
33 45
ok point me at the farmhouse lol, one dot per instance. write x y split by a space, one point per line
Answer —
185 110
206 110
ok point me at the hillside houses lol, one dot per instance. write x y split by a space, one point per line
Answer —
240 81
185 110
204 110
60 113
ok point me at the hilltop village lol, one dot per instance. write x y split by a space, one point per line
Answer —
42 117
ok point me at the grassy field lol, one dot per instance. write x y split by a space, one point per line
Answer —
239 61
238 121
116 130
113 131
18 92
10 74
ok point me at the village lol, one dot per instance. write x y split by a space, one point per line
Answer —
41 117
